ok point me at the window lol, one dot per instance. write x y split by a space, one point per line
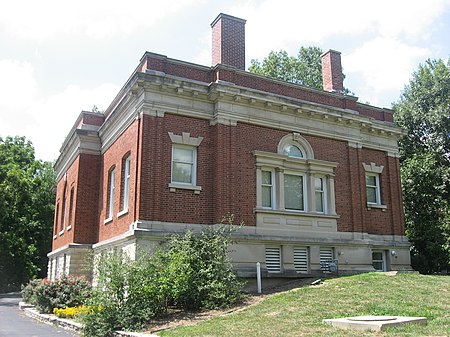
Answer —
373 188
273 259
378 260
56 219
183 164
291 150
267 189
126 183
63 213
319 191
72 193
288 183
293 192
110 199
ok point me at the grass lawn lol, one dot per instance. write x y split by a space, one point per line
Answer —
300 312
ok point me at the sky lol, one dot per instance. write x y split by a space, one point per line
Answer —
58 58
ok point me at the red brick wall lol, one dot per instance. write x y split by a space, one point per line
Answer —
125 145
228 41
390 220
332 71
64 185
226 172
227 175
86 216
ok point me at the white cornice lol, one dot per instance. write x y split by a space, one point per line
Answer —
155 94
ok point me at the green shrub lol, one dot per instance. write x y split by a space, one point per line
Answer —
192 272
200 272
29 291
67 291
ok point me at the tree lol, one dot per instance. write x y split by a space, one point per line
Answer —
26 213
424 112
305 69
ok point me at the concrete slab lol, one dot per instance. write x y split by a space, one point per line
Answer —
375 323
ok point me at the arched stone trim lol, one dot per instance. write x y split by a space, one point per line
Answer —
299 141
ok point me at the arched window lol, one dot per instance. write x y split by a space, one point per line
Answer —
295 146
292 150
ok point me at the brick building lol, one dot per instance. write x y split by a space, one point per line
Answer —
313 174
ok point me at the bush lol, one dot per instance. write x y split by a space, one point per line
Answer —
29 294
67 291
200 272
193 272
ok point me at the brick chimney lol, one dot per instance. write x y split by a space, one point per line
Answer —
228 41
332 71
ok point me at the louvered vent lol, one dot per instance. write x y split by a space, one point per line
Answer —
273 259
326 254
301 259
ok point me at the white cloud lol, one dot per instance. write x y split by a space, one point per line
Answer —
274 25
17 84
384 65
45 119
44 19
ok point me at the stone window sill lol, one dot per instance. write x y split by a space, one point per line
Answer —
123 212
108 220
297 213
69 228
61 232
174 186
382 207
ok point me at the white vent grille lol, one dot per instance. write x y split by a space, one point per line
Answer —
301 259
273 259
326 254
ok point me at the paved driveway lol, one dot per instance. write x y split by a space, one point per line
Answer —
14 323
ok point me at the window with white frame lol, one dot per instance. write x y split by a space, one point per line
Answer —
293 192
267 190
292 150
184 162
111 178
289 182
319 191
126 183
373 186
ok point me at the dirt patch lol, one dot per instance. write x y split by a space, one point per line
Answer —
177 318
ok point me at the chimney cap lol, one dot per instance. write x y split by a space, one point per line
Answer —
332 51
230 17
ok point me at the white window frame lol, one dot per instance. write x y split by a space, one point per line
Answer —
272 189
111 190
375 187
193 164
304 191
126 185
280 165
373 170
323 193
185 141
